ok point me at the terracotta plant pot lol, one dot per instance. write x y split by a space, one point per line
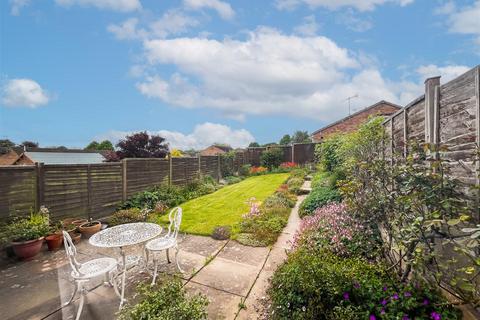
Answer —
76 237
67 221
89 228
54 241
26 250
79 222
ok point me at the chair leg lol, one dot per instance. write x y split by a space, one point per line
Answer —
154 271
82 301
176 259
73 295
168 255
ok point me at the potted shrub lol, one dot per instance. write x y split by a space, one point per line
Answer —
55 238
27 234
89 228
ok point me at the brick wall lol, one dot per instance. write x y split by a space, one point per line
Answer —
351 123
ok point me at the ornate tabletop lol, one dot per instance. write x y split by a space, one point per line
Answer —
125 235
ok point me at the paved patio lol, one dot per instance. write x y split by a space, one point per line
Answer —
226 271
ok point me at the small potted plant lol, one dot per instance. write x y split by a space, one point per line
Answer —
27 234
89 228
55 238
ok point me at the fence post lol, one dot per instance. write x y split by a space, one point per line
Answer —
293 152
124 180
405 133
436 120
89 192
430 85
219 171
199 167
477 96
40 186
170 170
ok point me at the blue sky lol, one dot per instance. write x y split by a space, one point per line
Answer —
205 71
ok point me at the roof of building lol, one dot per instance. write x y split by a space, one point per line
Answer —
8 158
373 106
213 150
61 157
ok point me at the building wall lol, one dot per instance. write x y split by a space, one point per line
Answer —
352 123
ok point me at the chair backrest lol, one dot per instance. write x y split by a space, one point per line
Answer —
71 252
175 218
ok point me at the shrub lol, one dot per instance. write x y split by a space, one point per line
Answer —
166 301
295 184
333 228
298 173
232 179
127 216
271 158
317 198
221 233
280 199
321 179
328 152
317 284
244 170
33 227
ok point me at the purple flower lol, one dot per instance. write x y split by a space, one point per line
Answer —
356 285
435 316
426 302
384 302
372 317
346 296
405 317
385 288
407 294
395 296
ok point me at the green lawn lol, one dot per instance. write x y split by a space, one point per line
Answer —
227 205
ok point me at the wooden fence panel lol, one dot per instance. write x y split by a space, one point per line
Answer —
145 173
17 191
66 191
106 189
209 166
184 170
397 134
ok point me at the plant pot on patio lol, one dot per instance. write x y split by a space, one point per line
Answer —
76 237
79 222
89 228
54 241
26 250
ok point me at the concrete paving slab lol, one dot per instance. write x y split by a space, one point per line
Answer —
205 246
227 275
222 305
276 257
189 262
257 299
237 252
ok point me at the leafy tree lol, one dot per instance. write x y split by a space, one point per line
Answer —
301 137
270 144
286 139
253 145
105 145
176 153
92 146
140 145
6 145
29 144
272 158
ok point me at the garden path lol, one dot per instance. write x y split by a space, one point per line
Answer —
232 276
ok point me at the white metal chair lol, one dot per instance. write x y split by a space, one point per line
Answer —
166 242
84 272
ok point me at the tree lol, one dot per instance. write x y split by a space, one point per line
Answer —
104 145
270 144
176 153
301 137
6 145
29 144
140 145
271 158
286 140
253 145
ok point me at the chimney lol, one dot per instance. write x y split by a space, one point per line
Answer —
430 108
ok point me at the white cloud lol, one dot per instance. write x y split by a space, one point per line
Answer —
172 22
203 135
309 27
446 73
271 73
351 20
223 8
116 5
24 93
465 20
361 5
17 5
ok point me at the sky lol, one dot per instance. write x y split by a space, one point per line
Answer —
199 72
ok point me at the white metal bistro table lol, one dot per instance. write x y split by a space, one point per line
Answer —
122 236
